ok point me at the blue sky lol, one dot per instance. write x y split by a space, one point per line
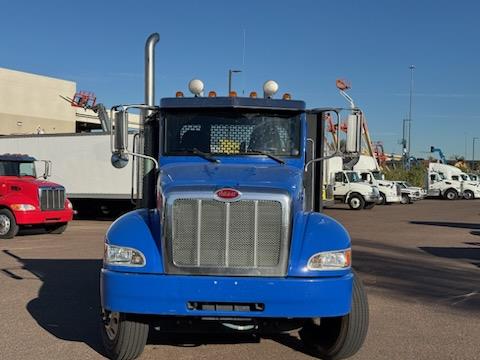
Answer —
304 45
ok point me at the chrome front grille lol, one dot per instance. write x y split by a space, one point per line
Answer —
52 198
245 237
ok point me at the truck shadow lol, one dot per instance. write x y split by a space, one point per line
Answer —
447 224
417 274
67 304
471 254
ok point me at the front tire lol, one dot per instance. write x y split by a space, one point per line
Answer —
451 194
8 224
468 195
405 199
124 336
356 202
340 337
383 199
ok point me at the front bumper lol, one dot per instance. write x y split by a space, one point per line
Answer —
169 295
389 198
43 217
372 198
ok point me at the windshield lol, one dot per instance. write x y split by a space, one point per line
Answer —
377 175
407 184
233 132
353 176
17 168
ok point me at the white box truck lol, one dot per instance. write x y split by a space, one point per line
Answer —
81 163
347 187
450 182
368 170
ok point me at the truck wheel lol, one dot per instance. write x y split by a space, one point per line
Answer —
57 228
369 205
405 199
340 337
8 224
356 202
124 337
468 195
451 194
382 200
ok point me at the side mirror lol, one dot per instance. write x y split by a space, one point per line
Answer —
47 168
119 160
354 133
120 138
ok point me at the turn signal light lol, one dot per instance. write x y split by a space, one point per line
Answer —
253 94
179 94
232 94
287 96
212 94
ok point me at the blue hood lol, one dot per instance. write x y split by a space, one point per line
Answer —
215 176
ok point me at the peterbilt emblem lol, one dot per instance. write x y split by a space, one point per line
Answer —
227 194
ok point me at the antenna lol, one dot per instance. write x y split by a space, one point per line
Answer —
243 59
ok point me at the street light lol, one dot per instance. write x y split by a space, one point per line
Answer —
230 72
473 153
412 67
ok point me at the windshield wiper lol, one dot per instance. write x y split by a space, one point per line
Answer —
203 155
257 152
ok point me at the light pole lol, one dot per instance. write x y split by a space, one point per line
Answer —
230 72
412 67
473 152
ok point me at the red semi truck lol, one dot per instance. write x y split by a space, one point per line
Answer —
27 200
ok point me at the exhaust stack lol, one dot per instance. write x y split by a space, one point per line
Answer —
150 71
145 171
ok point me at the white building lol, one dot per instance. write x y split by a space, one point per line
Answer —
31 103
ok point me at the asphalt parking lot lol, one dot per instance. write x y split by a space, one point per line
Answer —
420 264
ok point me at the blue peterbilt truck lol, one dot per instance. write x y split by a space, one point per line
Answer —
228 231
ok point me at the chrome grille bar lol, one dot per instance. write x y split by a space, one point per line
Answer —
227 233
255 235
199 230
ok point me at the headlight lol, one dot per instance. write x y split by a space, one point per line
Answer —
123 256
22 207
69 204
331 260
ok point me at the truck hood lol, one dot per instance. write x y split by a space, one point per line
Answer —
27 181
215 176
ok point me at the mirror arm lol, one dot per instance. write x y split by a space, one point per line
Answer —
320 159
152 159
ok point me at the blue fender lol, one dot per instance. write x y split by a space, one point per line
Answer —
314 233
139 229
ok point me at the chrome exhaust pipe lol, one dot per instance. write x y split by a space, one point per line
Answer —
150 71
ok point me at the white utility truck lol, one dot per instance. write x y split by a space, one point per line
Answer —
451 183
347 187
369 171
75 159
410 193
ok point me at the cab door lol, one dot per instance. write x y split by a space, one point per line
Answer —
341 187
